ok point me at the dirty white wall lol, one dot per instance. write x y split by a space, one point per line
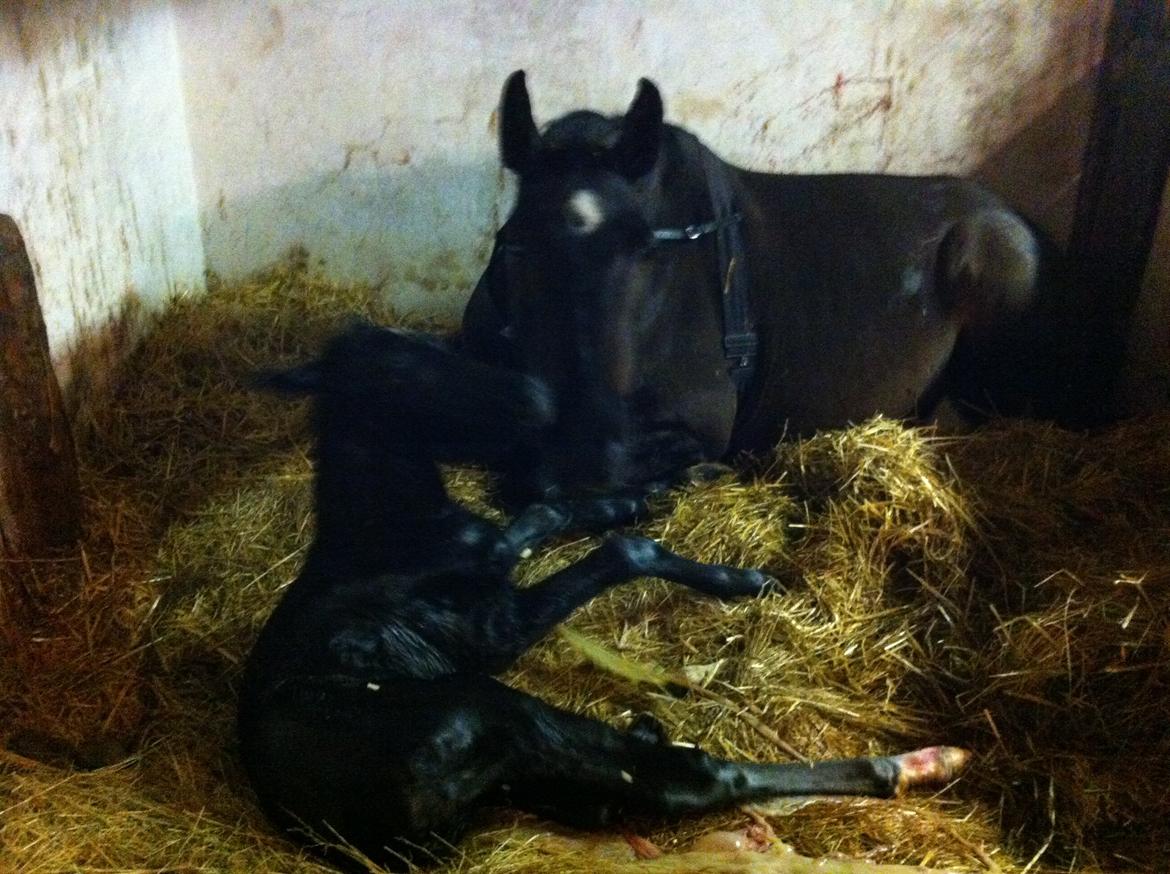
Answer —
94 162
365 128
141 140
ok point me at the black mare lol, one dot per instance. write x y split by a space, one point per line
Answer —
368 711
683 309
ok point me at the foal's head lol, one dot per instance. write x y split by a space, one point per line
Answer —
405 392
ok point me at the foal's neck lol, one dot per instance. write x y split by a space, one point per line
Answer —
379 504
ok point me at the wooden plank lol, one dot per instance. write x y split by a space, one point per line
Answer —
1120 194
40 500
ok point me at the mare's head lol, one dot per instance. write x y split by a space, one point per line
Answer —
581 266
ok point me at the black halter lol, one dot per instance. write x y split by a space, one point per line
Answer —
740 343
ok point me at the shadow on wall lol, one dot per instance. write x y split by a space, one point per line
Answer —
420 234
1038 170
94 363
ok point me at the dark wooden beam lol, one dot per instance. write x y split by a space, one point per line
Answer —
40 500
1120 194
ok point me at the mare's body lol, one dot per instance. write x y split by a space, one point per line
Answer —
802 302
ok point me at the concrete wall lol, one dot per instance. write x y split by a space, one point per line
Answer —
95 164
365 129
143 139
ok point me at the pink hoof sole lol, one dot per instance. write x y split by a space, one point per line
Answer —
930 766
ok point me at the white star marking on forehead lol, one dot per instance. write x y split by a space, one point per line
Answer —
584 211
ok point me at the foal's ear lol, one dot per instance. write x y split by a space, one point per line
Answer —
519 139
636 150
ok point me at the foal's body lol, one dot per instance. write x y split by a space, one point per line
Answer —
368 712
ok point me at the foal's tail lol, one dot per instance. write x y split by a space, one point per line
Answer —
988 265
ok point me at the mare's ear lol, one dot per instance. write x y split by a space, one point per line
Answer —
636 150
519 140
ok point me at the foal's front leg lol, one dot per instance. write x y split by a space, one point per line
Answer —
540 521
660 460
620 559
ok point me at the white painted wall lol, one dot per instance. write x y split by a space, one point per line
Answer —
365 128
140 137
94 160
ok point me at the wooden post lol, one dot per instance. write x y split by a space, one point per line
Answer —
40 499
1120 194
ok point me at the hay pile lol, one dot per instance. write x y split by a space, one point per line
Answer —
1008 592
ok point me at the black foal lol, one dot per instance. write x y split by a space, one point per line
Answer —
369 713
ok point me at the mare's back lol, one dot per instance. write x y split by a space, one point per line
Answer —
845 283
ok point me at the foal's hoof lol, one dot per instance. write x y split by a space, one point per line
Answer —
928 767
749 583
532 524
647 728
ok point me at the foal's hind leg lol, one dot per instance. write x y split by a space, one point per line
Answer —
588 774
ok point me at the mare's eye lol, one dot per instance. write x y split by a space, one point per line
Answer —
638 240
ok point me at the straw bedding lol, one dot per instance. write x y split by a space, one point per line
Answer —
1008 591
